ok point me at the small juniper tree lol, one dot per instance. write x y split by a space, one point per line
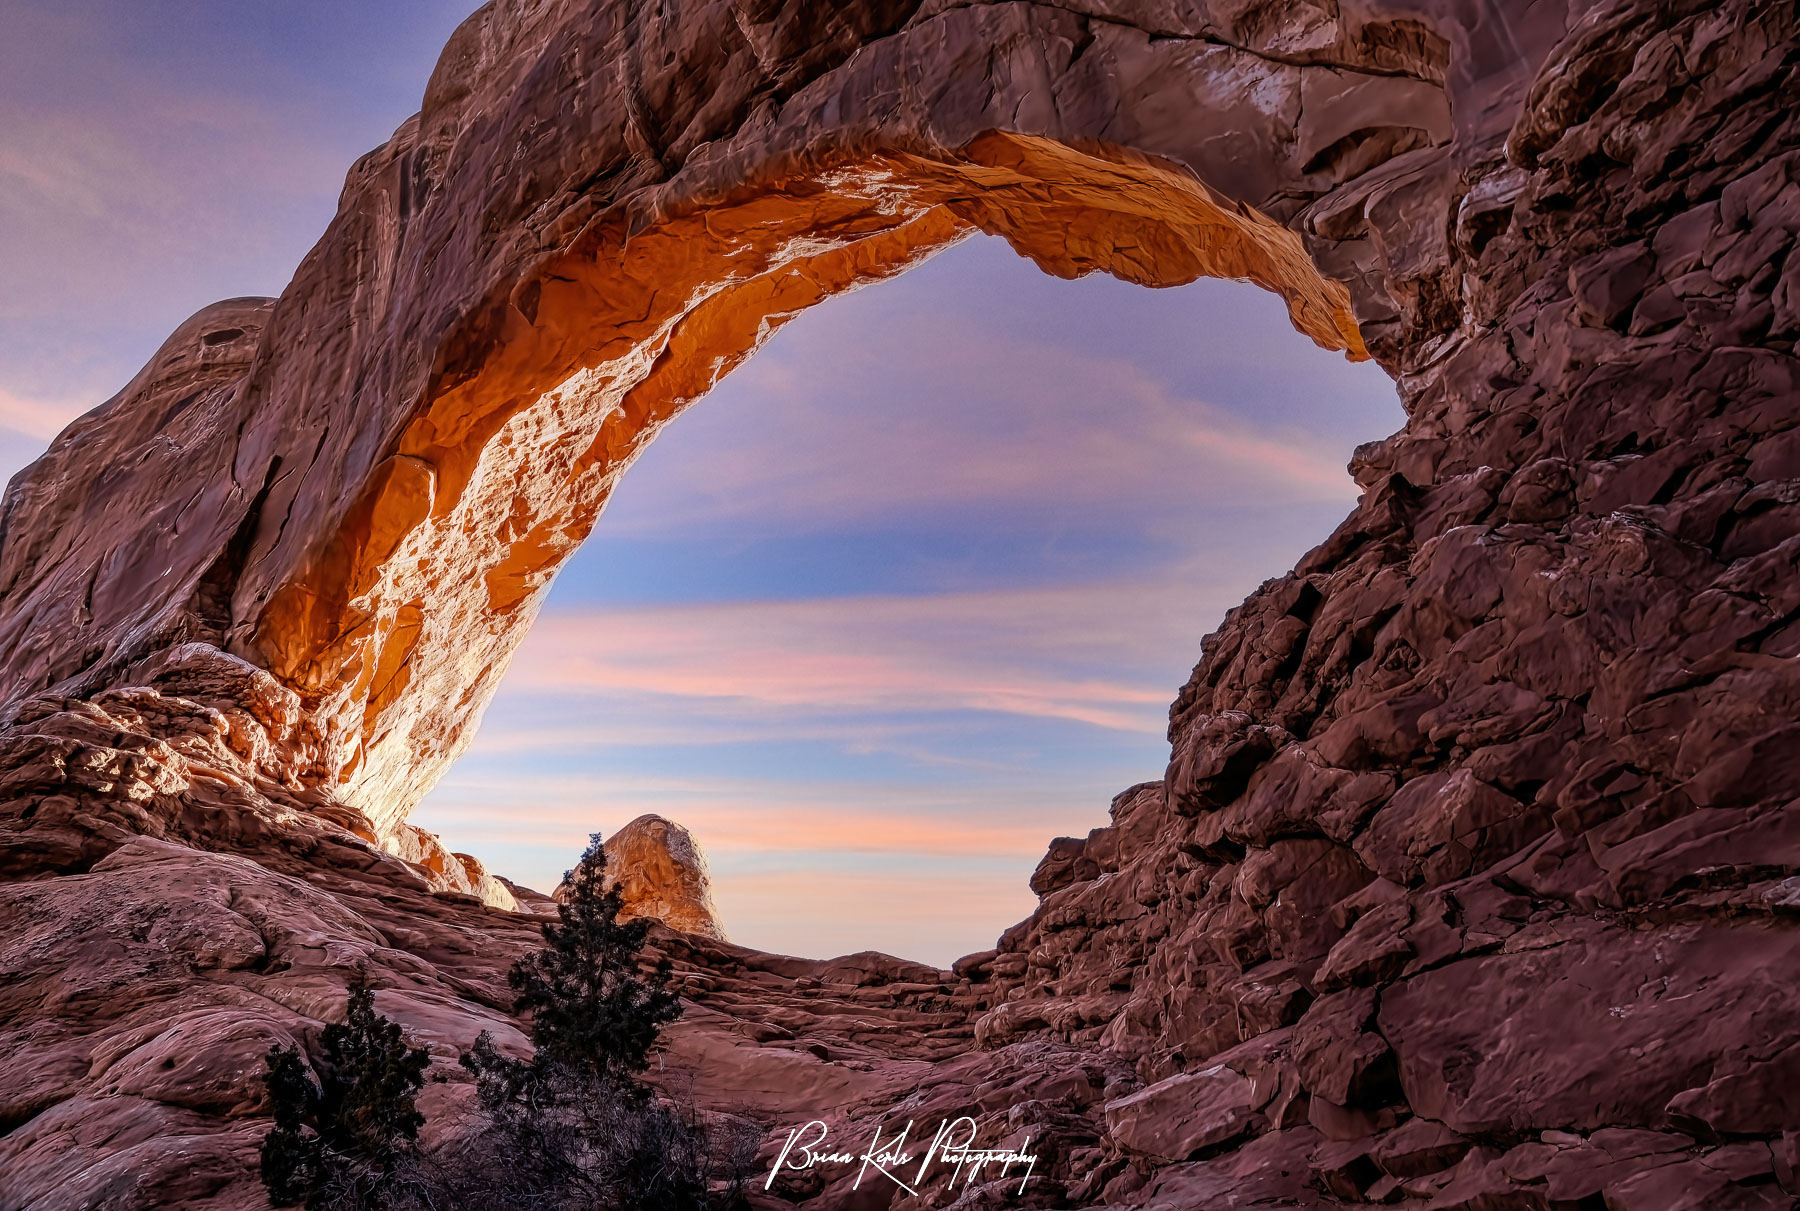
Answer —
375 1076
290 1152
362 1117
574 1127
592 1007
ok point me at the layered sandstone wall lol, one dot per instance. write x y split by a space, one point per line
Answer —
1482 823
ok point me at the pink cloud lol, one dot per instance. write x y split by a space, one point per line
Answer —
740 816
39 418
801 866
929 871
1047 653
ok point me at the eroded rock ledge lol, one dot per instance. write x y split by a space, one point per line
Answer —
1472 882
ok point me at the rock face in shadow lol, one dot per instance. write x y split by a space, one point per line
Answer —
1473 881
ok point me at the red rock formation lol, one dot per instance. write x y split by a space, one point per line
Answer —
660 873
1471 882
400 452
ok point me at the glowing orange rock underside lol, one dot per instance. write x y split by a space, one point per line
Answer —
437 570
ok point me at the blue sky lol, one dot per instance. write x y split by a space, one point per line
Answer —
907 596
159 155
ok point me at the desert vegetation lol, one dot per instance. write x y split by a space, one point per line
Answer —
571 1126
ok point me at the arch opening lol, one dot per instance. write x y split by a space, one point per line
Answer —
398 625
910 594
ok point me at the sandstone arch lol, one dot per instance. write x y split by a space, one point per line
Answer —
596 215
408 610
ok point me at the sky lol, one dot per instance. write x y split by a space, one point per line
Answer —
907 596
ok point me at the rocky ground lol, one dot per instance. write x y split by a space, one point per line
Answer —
148 964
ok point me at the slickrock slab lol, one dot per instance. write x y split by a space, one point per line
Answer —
1175 1118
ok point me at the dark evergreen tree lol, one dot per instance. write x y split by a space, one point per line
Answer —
594 1009
290 1152
574 1128
339 1144
368 1104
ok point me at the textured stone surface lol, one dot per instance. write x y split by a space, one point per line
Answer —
139 996
1175 1118
1476 856
661 874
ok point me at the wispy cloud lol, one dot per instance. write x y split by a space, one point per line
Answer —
801 865
43 166
977 420
791 815
39 418
152 162
1050 653
877 801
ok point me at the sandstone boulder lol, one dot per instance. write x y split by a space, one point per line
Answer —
659 873
1173 1119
